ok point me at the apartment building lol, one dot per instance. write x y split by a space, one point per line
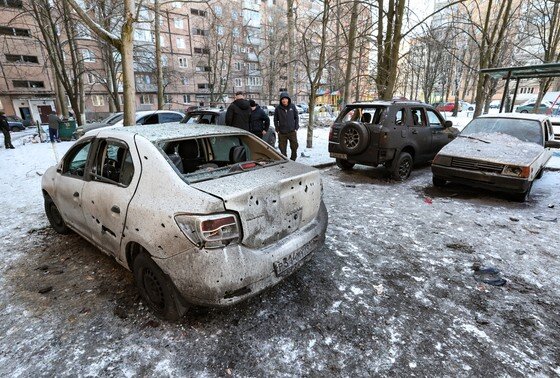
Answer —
26 85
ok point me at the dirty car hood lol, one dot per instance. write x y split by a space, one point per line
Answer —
272 202
502 148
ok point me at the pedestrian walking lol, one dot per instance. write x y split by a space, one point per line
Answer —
53 127
239 112
5 126
286 122
259 122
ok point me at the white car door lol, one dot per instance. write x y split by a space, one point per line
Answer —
70 179
114 176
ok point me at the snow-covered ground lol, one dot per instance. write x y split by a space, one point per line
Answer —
393 292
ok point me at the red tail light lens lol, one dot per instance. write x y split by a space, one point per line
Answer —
210 231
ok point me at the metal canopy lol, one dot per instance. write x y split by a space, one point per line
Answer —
519 73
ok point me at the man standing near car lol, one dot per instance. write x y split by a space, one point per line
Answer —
286 122
5 126
259 120
239 112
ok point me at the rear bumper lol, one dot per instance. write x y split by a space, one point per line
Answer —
371 156
222 277
484 180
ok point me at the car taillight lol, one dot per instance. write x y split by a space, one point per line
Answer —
210 231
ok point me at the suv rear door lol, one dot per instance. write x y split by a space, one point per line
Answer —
419 133
439 136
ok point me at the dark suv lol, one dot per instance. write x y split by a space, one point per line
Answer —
397 134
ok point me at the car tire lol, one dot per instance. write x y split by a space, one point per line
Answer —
345 165
402 166
522 197
524 111
438 181
539 175
54 217
156 289
354 138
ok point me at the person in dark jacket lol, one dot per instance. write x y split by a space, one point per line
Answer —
259 121
286 122
239 112
53 120
5 127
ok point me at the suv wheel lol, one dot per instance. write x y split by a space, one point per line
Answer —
354 138
345 165
402 166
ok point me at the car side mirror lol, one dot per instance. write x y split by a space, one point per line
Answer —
552 144
447 124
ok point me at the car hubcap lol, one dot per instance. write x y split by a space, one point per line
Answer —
153 288
351 138
404 169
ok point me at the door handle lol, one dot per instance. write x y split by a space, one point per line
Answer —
414 131
76 194
115 209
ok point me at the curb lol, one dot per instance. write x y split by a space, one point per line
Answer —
324 165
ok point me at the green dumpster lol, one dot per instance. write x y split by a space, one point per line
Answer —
66 129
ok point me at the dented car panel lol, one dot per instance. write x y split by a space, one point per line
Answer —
279 217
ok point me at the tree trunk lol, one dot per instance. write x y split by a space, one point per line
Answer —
291 60
127 53
159 66
351 48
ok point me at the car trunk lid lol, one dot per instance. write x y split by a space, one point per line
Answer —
272 202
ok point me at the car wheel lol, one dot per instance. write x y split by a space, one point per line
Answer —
438 181
156 289
522 197
354 138
539 175
402 166
345 165
54 217
524 111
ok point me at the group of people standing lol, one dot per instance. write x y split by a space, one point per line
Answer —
248 115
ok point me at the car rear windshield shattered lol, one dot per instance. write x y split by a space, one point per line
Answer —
367 114
208 158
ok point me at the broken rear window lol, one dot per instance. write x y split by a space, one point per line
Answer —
207 158
366 114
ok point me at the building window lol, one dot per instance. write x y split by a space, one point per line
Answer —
98 100
178 23
4 30
185 81
218 10
180 43
220 30
90 78
21 58
238 82
205 86
254 81
28 84
200 32
183 62
200 50
203 69
198 12
237 66
88 55
164 60
146 99
168 99
11 3
186 99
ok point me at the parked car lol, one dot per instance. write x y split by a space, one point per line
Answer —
397 134
466 106
504 152
495 104
448 107
240 217
218 117
544 108
15 123
147 117
304 106
269 109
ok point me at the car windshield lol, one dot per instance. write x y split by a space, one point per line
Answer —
208 158
367 114
524 129
202 118
113 118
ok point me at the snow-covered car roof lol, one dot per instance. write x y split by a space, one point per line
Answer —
388 103
534 117
159 132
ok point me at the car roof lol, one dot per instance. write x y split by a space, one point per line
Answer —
159 132
142 113
534 117
388 103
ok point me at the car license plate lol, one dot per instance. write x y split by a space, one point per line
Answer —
282 266
339 156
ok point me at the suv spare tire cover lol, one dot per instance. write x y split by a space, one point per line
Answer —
353 137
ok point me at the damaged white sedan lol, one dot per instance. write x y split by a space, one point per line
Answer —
501 152
207 215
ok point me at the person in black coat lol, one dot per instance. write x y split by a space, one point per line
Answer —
259 121
5 127
239 112
286 122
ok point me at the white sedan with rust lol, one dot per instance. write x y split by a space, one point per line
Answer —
500 152
208 215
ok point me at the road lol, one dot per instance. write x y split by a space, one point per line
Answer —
393 292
